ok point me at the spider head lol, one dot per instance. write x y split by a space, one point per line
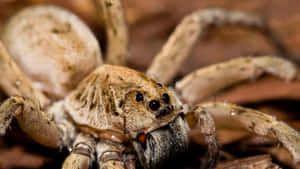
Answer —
148 107
153 118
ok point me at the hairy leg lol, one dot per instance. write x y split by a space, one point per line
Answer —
109 155
169 60
257 162
82 154
207 81
201 119
64 124
32 120
14 81
256 122
112 14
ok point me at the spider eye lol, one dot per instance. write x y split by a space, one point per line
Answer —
139 97
154 105
166 98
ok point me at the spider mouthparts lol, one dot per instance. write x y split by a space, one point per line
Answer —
164 143
167 110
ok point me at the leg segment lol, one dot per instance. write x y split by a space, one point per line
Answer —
82 154
14 81
109 155
200 118
77 161
64 124
168 61
31 119
113 164
207 81
112 14
258 123
257 162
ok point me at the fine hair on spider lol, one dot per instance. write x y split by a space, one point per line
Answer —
63 95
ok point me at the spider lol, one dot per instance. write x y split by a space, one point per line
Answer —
63 96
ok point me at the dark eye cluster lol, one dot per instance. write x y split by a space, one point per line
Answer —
166 98
139 97
153 104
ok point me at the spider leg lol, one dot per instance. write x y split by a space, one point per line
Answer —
209 80
109 155
169 60
31 119
258 123
15 82
82 154
257 162
112 13
201 119
28 108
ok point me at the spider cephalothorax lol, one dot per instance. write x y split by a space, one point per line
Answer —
128 101
120 104
122 116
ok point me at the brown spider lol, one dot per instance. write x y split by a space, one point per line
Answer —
116 115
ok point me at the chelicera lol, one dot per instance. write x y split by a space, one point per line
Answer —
63 96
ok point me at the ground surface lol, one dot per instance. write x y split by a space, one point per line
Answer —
150 24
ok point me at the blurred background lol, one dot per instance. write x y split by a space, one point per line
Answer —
150 24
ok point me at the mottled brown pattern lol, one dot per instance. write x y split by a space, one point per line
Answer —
105 89
119 105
